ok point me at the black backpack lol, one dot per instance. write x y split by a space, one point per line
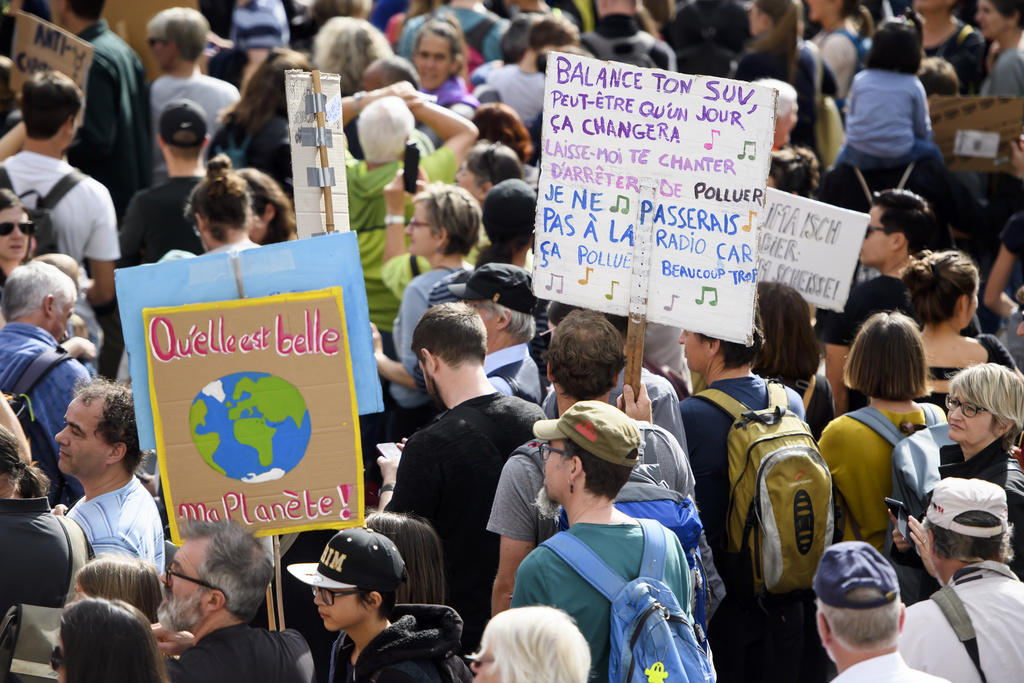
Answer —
33 373
707 36
46 233
634 49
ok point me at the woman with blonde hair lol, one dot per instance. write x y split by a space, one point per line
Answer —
532 645
347 46
117 577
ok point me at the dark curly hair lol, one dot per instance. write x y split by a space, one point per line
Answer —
118 422
796 170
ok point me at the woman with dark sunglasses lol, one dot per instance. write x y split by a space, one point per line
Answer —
16 232
106 640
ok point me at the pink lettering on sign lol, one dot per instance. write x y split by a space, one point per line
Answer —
298 506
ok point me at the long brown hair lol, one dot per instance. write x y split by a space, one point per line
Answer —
420 548
786 16
790 349
263 95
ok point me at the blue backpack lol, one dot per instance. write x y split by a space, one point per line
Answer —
651 635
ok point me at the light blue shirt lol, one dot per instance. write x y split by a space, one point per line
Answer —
501 358
887 112
123 522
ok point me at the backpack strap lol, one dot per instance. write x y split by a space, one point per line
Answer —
964 32
724 402
63 186
878 423
5 178
652 564
507 373
475 37
483 423
777 395
956 614
79 552
585 562
39 368
932 414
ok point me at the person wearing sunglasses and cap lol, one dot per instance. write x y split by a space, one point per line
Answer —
354 586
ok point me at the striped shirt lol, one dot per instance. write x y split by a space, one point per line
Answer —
123 522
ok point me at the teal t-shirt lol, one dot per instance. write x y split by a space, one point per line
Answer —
544 579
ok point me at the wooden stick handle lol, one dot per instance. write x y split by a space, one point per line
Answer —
635 352
321 122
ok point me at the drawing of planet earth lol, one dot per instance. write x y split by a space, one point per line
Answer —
250 426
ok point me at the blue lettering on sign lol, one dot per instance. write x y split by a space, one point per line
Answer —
669 269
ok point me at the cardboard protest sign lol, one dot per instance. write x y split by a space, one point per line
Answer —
296 266
41 46
651 193
811 246
255 412
975 133
302 128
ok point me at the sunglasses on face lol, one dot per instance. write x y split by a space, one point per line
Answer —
28 228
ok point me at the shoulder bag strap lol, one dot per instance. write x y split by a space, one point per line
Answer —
79 551
586 563
38 369
777 395
956 614
652 565
844 512
874 419
906 175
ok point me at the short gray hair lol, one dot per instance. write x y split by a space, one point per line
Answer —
235 562
383 126
521 326
184 27
990 386
970 549
787 94
28 286
864 630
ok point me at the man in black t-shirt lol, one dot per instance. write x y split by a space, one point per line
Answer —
901 222
449 470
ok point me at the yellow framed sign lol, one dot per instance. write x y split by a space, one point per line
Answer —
255 412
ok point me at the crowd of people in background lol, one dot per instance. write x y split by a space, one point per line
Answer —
520 446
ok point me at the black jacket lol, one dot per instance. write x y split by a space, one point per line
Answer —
420 646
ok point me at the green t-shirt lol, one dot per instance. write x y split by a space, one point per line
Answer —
367 207
544 579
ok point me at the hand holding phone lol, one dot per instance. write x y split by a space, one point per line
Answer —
902 515
411 169
389 450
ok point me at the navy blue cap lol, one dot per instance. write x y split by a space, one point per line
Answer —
850 565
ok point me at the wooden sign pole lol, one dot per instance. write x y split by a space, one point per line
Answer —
635 352
277 579
321 123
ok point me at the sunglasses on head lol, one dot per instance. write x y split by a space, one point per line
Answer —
27 228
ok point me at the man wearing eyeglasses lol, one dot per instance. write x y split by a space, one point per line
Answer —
212 590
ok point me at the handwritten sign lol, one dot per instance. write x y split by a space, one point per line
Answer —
811 246
42 46
255 412
975 133
297 266
651 193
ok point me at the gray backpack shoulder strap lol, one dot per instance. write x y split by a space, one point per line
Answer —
932 414
79 551
956 614
873 418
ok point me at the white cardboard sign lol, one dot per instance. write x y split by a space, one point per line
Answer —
811 246
651 188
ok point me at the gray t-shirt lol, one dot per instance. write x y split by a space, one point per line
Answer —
212 94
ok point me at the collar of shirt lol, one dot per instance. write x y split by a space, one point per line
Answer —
506 356
890 667
31 331
981 570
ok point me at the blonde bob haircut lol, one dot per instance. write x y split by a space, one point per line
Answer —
537 645
887 360
998 390
116 577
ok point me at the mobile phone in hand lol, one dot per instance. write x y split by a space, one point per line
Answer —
412 167
902 515
389 450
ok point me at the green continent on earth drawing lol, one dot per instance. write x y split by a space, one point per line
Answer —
250 426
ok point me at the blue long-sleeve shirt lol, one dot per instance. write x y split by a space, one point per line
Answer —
887 111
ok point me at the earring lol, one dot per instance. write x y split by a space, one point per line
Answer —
570 487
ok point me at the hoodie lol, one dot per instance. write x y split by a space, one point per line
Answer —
420 646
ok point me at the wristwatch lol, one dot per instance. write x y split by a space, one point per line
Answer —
358 97
394 219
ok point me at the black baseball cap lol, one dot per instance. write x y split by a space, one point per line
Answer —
355 558
183 124
501 283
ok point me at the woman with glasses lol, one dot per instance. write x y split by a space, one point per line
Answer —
354 586
16 232
944 290
532 645
486 165
106 640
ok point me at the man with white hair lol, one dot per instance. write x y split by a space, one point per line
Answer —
968 545
786 111
37 300
386 118
860 616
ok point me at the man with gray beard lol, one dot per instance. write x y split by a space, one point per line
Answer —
212 590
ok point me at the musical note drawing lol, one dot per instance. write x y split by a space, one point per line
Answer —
750 222
709 145
586 278
611 294
703 292
753 149
621 198
671 303
561 283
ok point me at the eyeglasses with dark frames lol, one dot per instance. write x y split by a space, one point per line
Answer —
327 596
968 409
871 229
168 573
546 450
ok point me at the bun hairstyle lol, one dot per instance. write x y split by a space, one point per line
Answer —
936 283
28 480
222 198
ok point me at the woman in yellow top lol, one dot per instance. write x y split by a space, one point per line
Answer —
887 364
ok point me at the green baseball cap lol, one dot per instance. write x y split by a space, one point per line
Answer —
598 428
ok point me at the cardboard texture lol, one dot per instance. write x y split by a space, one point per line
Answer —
969 119
254 409
296 266
651 193
41 46
309 199
811 246
129 19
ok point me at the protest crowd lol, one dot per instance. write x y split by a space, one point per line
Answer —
840 498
